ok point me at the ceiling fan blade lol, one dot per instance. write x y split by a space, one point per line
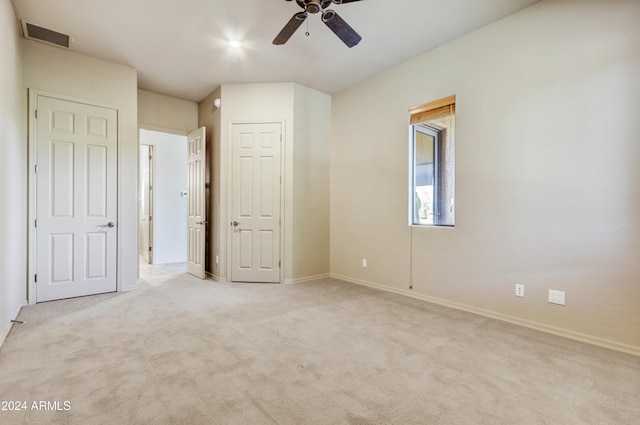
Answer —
343 1
340 28
291 27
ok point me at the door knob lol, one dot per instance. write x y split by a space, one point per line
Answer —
202 222
109 225
235 223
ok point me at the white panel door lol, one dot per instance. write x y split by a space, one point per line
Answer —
256 202
76 199
197 209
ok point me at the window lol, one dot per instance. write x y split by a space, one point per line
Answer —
432 151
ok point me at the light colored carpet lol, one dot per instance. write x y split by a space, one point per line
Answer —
184 351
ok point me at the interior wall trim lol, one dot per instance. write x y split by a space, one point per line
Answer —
306 279
216 278
565 333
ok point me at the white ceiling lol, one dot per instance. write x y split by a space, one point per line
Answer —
180 47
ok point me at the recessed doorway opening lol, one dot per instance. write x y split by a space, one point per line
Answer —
162 203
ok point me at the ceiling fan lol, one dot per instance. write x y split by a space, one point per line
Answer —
329 17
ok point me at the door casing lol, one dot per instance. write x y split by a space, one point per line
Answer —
32 212
146 186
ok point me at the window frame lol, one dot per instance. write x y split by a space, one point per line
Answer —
420 117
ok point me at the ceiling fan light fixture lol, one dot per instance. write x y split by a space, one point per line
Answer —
328 14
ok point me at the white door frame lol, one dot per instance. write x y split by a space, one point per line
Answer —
229 181
148 247
33 138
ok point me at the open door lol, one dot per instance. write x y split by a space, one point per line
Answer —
196 215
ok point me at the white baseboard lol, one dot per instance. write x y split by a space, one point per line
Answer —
306 279
286 281
576 336
216 278
128 288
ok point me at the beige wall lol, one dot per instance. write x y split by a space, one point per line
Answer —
167 114
13 172
310 192
67 73
307 142
547 175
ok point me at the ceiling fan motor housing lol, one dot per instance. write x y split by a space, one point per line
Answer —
313 6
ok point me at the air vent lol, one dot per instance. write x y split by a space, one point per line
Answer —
34 32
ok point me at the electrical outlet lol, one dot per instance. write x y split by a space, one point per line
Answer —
364 263
519 290
556 297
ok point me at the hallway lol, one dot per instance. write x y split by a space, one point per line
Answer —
153 270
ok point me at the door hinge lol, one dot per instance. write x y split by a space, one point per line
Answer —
36 168
279 264
35 278
150 249
36 114
35 224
